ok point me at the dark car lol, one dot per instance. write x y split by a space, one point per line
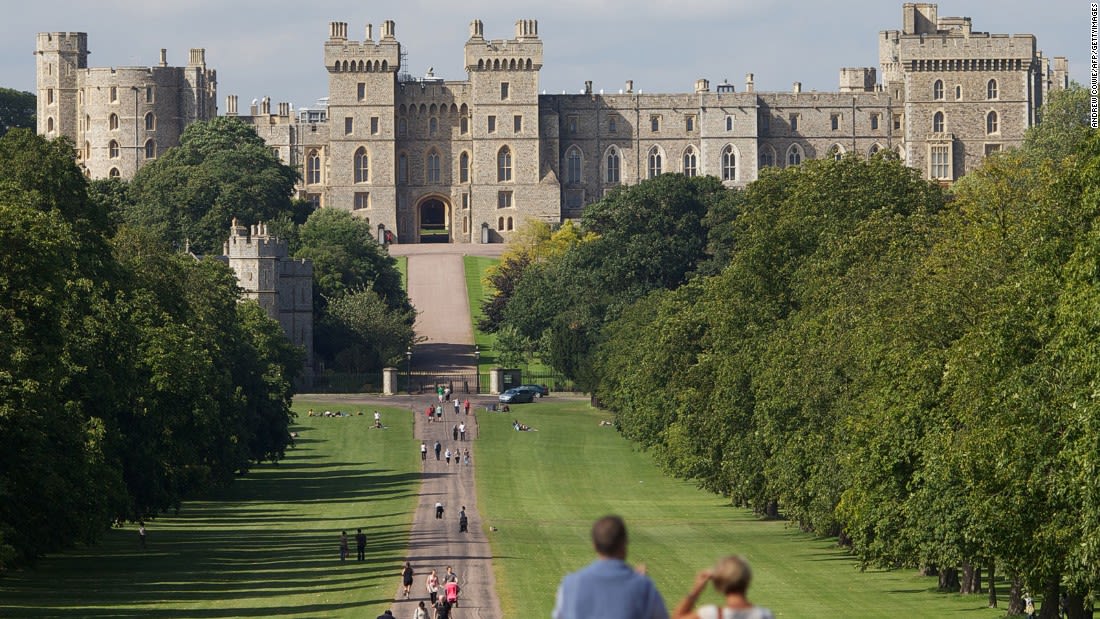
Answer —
517 395
541 391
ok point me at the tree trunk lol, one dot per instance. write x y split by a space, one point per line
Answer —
949 579
843 540
1015 598
772 510
971 579
1075 606
991 577
928 570
1049 609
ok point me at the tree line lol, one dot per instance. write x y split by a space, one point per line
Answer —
910 368
132 377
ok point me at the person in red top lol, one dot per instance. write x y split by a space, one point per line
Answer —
466 405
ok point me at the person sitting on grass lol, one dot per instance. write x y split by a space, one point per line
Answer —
731 576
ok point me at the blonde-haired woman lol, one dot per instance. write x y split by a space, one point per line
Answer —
731 577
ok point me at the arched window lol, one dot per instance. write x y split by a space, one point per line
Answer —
500 223
991 89
729 163
504 164
49 124
509 224
112 122
875 148
937 122
729 123
313 168
113 150
433 167
433 124
612 165
362 165
464 167
150 149
114 173
691 162
937 90
991 124
794 155
767 156
654 162
402 126
836 151
900 152
573 165
150 122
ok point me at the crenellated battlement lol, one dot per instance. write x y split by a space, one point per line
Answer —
523 53
253 242
367 56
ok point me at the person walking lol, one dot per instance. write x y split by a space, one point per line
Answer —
454 433
141 533
463 522
466 405
731 577
438 511
360 545
439 412
462 431
608 588
438 448
432 585
423 451
343 545
421 612
457 404
466 456
447 455
407 578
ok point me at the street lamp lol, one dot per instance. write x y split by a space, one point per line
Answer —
408 369
477 369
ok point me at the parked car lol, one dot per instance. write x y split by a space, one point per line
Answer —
541 391
517 396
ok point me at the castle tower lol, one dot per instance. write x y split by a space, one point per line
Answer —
60 56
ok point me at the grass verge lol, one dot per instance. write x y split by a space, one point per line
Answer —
543 490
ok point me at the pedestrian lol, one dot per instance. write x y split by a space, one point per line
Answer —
438 448
442 610
450 576
466 456
421 612
423 450
454 433
141 533
447 393
432 584
462 431
463 522
343 545
386 615
731 577
438 412
457 404
407 578
439 393
608 588
438 511
360 545
466 405
447 455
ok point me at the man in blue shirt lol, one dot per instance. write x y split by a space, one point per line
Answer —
608 588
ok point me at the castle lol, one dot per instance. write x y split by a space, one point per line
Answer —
468 161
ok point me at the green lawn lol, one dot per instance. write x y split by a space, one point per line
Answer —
266 546
543 489
403 268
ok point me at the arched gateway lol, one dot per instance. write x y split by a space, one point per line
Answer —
433 216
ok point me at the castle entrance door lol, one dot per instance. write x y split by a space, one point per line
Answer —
433 217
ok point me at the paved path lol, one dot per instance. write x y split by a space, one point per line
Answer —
437 289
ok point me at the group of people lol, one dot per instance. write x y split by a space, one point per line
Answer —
608 588
360 545
462 456
442 593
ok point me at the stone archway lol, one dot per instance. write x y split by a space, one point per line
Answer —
433 216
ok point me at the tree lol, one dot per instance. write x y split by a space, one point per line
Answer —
371 334
221 170
17 110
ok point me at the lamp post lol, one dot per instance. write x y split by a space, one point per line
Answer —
477 370
408 370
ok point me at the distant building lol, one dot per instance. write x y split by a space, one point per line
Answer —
283 286
467 161
118 118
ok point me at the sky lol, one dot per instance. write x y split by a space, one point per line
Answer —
274 47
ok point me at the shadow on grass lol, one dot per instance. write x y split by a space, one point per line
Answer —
265 546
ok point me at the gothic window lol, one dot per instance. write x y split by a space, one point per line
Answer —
937 122
729 163
834 121
655 123
463 125
114 173
313 168
573 165
729 123
654 159
150 122
433 167
509 223
991 89
112 122
150 149
937 90
691 161
504 164
874 122
148 94
991 124
875 148
689 123
612 125
794 155
362 165
113 150
464 167
49 124
613 165
112 94
793 119
500 223
402 168
767 156
835 152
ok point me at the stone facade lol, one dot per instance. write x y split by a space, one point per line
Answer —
118 118
281 285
